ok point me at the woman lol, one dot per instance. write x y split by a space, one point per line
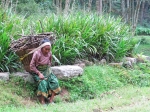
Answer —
48 85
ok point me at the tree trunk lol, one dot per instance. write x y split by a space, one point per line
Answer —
123 9
16 6
136 15
89 5
110 6
128 11
3 3
57 6
133 11
73 6
60 5
142 10
67 6
99 6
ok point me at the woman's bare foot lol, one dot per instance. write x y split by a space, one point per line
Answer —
42 99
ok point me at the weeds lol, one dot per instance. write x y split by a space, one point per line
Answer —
81 36
98 79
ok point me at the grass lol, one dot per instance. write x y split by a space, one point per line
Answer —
144 47
15 92
124 99
100 87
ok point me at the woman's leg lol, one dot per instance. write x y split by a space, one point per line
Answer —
42 91
42 99
52 97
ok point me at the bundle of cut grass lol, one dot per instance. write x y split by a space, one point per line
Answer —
25 44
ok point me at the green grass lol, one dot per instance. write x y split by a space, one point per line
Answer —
126 99
100 87
144 47
15 92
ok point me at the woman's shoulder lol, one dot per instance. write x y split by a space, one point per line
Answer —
37 53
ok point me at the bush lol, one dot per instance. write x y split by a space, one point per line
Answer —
87 36
8 60
142 31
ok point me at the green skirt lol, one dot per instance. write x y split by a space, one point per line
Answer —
49 84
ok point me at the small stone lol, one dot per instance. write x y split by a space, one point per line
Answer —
4 76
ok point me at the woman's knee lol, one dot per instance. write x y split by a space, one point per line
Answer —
43 83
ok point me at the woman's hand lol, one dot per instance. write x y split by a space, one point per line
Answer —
41 76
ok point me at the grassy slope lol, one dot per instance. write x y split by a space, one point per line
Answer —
124 99
15 97
15 94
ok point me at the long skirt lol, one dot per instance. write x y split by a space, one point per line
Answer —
48 84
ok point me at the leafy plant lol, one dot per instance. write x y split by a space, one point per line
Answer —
142 30
8 60
82 36
87 35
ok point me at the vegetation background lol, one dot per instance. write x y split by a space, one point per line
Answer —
85 29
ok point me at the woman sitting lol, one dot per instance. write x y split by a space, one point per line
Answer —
48 85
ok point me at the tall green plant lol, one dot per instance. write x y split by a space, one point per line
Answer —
7 58
80 36
87 35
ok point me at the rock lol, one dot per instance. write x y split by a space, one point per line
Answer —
132 60
87 63
127 64
103 62
83 61
140 60
62 72
4 76
96 61
147 58
78 61
143 58
82 65
116 64
67 71
25 75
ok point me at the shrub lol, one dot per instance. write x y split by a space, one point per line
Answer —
87 36
8 60
142 31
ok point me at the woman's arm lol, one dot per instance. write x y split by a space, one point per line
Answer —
33 63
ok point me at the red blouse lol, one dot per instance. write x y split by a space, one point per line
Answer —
39 59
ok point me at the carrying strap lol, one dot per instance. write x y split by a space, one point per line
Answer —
46 43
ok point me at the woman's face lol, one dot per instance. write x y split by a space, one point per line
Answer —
46 49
